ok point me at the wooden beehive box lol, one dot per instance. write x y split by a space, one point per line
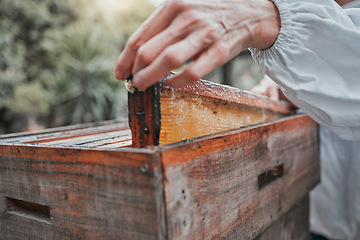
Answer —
99 181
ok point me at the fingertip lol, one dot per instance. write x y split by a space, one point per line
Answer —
273 93
176 82
143 79
119 74
170 82
138 82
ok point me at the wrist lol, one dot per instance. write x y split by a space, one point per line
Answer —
268 25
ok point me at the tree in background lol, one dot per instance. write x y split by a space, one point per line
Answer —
84 88
25 64
57 60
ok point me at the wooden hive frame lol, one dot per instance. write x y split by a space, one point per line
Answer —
162 115
99 182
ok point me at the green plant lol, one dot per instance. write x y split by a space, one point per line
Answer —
85 89
25 62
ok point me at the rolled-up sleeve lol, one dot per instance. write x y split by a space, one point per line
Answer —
316 61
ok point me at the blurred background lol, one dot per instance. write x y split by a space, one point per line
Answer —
57 59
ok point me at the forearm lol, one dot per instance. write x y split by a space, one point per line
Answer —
315 60
268 25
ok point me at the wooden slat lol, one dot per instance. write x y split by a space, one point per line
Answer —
79 133
127 143
144 116
62 133
107 142
83 140
54 193
212 185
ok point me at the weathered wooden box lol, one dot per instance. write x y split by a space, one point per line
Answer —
88 182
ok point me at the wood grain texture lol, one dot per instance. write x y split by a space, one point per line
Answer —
39 136
91 194
200 109
110 135
237 184
144 116
186 115
211 184
234 95
293 225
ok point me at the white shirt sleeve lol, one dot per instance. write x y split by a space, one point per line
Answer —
316 61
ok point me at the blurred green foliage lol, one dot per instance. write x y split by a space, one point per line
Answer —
57 59
84 89
29 99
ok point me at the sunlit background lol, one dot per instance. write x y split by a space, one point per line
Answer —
57 60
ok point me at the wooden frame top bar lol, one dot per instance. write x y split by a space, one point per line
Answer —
234 95
162 115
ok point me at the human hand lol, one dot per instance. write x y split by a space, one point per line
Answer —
210 32
267 87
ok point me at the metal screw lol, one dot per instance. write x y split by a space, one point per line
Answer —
144 168
146 130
